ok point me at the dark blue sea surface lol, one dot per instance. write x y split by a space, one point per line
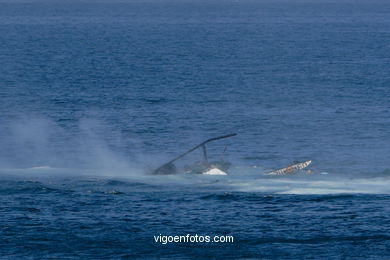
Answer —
96 93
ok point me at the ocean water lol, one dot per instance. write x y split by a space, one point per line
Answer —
96 93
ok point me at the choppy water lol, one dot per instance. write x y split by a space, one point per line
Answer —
95 93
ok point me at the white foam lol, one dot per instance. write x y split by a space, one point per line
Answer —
214 171
242 181
315 186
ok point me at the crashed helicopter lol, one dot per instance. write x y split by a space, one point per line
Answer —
218 167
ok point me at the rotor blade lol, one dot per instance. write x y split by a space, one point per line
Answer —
194 148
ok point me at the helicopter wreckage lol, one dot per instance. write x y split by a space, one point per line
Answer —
219 167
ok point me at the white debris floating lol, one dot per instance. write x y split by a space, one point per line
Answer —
214 171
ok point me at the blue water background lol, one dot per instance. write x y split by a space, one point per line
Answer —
114 88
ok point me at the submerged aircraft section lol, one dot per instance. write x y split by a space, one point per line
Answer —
218 167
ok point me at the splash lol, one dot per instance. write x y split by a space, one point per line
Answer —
35 143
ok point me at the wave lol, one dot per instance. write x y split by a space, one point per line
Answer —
131 180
